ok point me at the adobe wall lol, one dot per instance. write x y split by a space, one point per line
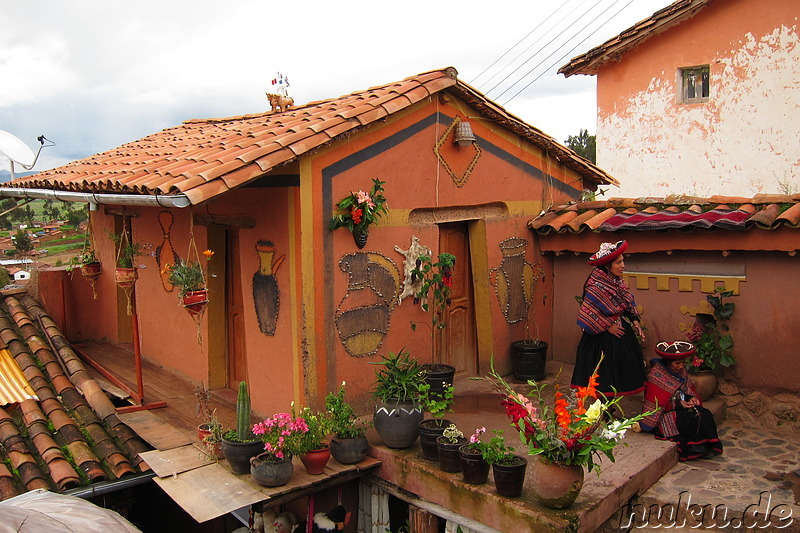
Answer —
742 141
764 327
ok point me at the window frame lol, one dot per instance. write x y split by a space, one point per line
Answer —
684 84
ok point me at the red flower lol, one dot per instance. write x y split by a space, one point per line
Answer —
356 214
514 411
447 280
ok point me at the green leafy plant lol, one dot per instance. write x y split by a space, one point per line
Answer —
437 404
126 250
399 378
711 335
437 278
188 276
344 422
452 434
574 429
318 424
359 210
495 451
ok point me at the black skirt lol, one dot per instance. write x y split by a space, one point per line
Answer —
697 434
622 371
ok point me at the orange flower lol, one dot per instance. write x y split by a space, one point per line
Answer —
563 417
208 253
589 391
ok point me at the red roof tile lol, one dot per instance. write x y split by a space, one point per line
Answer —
654 214
205 158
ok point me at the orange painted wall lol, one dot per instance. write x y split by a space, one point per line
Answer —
763 325
305 358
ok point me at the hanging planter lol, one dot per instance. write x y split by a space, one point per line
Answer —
359 210
125 274
89 264
195 301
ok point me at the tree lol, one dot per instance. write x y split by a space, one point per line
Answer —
584 145
23 242
5 277
76 216
5 224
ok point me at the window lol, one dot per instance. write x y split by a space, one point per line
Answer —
694 84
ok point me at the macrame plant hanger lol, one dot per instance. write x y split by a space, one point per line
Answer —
127 283
197 309
90 275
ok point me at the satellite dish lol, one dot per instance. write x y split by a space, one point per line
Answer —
18 152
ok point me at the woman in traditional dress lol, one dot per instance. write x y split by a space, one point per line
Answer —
679 415
610 324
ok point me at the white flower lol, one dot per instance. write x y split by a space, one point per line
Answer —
614 431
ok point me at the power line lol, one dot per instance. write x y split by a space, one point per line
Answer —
585 13
520 42
563 56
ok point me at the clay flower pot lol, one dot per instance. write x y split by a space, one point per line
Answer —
315 460
556 485
270 471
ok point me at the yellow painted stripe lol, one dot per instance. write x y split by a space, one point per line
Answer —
14 388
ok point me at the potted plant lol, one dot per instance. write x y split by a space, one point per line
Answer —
474 466
190 279
528 357
240 444
449 443
398 412
349 443
713 342
566 435
359 210
432 428
508 468
437 278
125 272
315 450
89 264
209 432
282 438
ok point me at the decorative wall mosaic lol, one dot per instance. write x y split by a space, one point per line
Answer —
165 253
514 280
362 317
266 294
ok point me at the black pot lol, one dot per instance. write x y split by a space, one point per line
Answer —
528 359
449 457
438 376
430 430
349 451
474 467
397 423
508 479
238 454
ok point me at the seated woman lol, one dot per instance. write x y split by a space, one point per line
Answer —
680 416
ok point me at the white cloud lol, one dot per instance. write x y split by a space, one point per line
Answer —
92 75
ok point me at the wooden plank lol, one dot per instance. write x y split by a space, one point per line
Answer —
177 460
156 432
210 491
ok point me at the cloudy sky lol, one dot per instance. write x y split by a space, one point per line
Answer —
91 75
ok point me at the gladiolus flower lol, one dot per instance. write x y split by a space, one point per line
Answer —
593 413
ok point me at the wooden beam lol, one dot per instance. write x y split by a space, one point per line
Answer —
120 210
236 221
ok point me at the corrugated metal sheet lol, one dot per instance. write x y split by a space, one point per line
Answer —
14 388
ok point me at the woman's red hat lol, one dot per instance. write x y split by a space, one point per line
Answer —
675 350
608 252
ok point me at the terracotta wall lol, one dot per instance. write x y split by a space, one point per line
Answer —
763 325
742 141
510 183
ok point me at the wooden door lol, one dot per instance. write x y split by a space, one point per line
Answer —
236 351
457 344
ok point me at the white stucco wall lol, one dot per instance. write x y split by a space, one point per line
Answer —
745 140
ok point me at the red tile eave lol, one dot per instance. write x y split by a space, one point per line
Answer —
781 239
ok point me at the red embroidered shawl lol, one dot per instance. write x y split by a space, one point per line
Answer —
605 298
661 391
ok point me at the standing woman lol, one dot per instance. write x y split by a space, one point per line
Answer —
608 318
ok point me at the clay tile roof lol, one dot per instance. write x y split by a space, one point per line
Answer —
203 158
681 213
614 48
45 440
